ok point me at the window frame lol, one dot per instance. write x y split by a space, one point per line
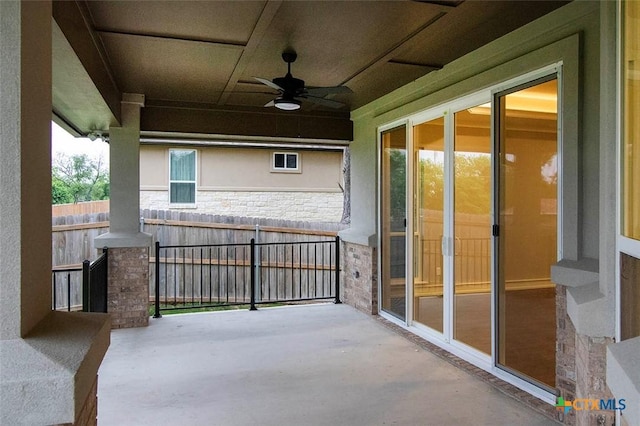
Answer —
194 181
285 169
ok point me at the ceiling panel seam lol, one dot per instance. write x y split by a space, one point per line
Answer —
259 30
235 45
386 56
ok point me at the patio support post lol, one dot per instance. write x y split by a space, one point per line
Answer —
128 281
48 360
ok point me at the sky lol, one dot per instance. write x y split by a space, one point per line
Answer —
63 143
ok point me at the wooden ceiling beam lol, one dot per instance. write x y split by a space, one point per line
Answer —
244 121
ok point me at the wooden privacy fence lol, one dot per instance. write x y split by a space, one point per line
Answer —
88 207
73 236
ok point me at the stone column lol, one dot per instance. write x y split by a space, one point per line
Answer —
48 360
359 272
128 287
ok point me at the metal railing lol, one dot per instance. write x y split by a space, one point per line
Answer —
94 283
67 288
201 276
472 262
82 287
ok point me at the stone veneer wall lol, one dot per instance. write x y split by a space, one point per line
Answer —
581 364
128 288
359 277
591 369
308 206
565 355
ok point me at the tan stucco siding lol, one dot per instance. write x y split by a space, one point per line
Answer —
154 166
245 169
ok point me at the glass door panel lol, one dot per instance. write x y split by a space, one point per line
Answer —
393 217
472 228
527 244
631 126
428 154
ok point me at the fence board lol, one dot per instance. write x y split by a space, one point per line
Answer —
101 206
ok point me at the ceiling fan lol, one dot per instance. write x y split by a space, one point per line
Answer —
293 91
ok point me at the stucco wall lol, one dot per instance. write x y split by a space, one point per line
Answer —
580 37
306 206
515 54
569 36
244 168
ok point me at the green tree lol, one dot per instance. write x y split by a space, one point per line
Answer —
398 196
60 194
473 183
79 178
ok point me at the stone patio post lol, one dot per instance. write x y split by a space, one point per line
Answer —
128 286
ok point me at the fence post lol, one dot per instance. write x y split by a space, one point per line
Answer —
253 275
86 287
338 271
157 290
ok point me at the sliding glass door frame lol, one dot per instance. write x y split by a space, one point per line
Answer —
448 241
447 110
499 189
381 244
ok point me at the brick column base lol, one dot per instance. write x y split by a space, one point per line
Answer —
591 369
565 355
128 292
581 366
359 277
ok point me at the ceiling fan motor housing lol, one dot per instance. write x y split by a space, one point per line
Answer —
291 85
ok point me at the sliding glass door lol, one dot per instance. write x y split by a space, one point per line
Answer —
479 179
472 228
393 184
428 223
527 207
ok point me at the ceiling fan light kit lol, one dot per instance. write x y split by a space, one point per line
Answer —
292 91
287 104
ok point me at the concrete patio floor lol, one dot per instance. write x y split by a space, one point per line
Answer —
305 365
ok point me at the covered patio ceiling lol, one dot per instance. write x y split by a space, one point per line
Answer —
196 61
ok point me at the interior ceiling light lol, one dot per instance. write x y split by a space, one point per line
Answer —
287 104
523 101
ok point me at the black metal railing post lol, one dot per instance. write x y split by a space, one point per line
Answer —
104 278
86 287
338 271
68 291
157 290
253 275
55 290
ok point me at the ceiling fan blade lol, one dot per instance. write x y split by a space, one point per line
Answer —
323 91
270 103
269 83
323 101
